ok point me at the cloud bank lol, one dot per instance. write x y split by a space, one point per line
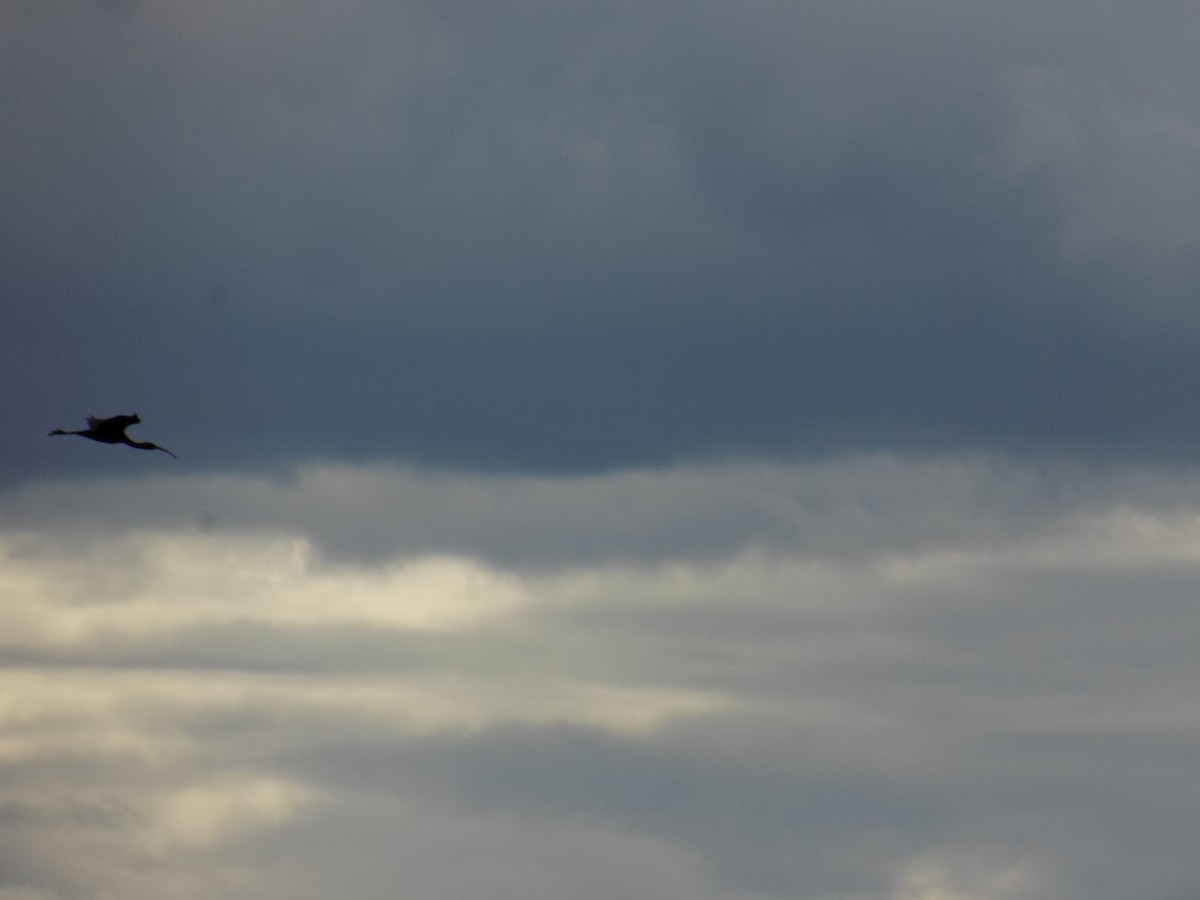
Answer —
911 710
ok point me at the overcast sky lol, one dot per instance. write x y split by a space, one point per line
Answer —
627 450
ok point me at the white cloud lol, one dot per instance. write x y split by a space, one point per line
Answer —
966 879
223 811
877 660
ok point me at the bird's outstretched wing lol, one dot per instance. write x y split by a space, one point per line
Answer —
119 422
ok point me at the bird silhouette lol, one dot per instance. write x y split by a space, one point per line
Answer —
112 431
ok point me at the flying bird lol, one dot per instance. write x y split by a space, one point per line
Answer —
112 431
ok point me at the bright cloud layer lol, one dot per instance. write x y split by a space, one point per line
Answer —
910 718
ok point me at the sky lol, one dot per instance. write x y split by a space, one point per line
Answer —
697 451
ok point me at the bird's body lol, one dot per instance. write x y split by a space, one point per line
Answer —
112 431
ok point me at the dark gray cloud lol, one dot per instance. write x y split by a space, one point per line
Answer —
577 239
